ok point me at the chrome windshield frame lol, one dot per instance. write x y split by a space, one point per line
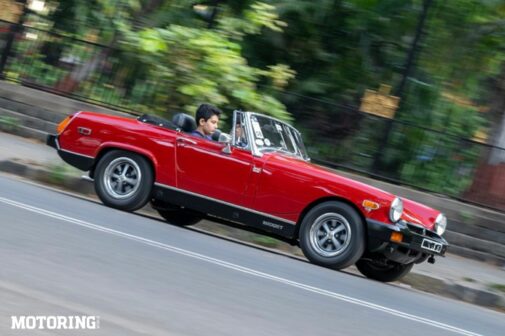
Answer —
250 146
250 136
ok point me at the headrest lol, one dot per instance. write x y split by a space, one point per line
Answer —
185 122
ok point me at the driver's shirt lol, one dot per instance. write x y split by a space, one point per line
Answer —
200 135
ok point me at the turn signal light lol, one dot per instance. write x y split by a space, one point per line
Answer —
370 205
61 126
396 237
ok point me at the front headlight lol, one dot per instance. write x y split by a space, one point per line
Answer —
396 210
440 224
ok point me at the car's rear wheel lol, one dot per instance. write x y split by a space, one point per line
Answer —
332 235
180 217
123 180
383 272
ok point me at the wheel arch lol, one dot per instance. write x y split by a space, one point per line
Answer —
329 199
107 149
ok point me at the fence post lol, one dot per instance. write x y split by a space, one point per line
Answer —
14 29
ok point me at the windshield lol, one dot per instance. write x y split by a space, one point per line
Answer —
271 134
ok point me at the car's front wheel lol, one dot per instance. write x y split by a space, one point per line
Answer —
383 272
123 180
332 235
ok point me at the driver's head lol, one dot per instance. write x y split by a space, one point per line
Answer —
207 118
239 131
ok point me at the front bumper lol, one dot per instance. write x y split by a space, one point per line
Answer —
417 242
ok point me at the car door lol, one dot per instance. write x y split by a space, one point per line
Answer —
202 167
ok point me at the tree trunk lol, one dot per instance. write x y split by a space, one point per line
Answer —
489 178
497 118
70 83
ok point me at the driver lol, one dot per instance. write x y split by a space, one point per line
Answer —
240 137
207 119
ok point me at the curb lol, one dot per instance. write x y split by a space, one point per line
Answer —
416 280
439 286
45 176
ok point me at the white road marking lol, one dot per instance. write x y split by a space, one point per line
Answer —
239 268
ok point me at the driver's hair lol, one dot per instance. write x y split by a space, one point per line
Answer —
206 111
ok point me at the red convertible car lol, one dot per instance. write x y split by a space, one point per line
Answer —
259 178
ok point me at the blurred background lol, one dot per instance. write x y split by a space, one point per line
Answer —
409 91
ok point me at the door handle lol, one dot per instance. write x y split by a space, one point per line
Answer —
183 142
256 170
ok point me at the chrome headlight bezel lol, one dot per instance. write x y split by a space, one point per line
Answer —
440 224
396 210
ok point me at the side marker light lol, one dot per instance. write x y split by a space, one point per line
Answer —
370 205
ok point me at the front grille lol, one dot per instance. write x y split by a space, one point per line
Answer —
416 228
422 231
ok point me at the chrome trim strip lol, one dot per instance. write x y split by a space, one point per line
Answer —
225 203
86 156
57 143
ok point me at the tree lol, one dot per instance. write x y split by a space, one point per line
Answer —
198 64
340 48
188 61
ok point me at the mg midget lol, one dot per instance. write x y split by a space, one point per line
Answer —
260 178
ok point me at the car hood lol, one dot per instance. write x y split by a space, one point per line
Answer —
420 214
414 212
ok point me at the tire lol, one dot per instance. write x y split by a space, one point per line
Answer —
179 217
123 180
332 234
383 273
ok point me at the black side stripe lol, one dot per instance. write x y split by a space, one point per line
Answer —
225 211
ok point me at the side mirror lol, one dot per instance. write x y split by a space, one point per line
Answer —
226 139
223 138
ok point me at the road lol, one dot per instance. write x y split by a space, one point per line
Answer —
63 255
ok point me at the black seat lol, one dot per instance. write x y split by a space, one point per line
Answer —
155 120
185 122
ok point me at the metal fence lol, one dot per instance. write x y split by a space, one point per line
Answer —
72 67
337 135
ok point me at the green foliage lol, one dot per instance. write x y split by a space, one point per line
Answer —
9 123
265 241
253 20
429 148
497 287
58 174
340 48
311 58
198 64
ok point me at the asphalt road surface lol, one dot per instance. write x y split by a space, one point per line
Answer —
65 256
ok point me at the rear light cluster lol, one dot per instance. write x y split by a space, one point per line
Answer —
62 125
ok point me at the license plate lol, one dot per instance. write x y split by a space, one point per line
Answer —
431 245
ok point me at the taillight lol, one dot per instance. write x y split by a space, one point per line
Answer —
61 126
